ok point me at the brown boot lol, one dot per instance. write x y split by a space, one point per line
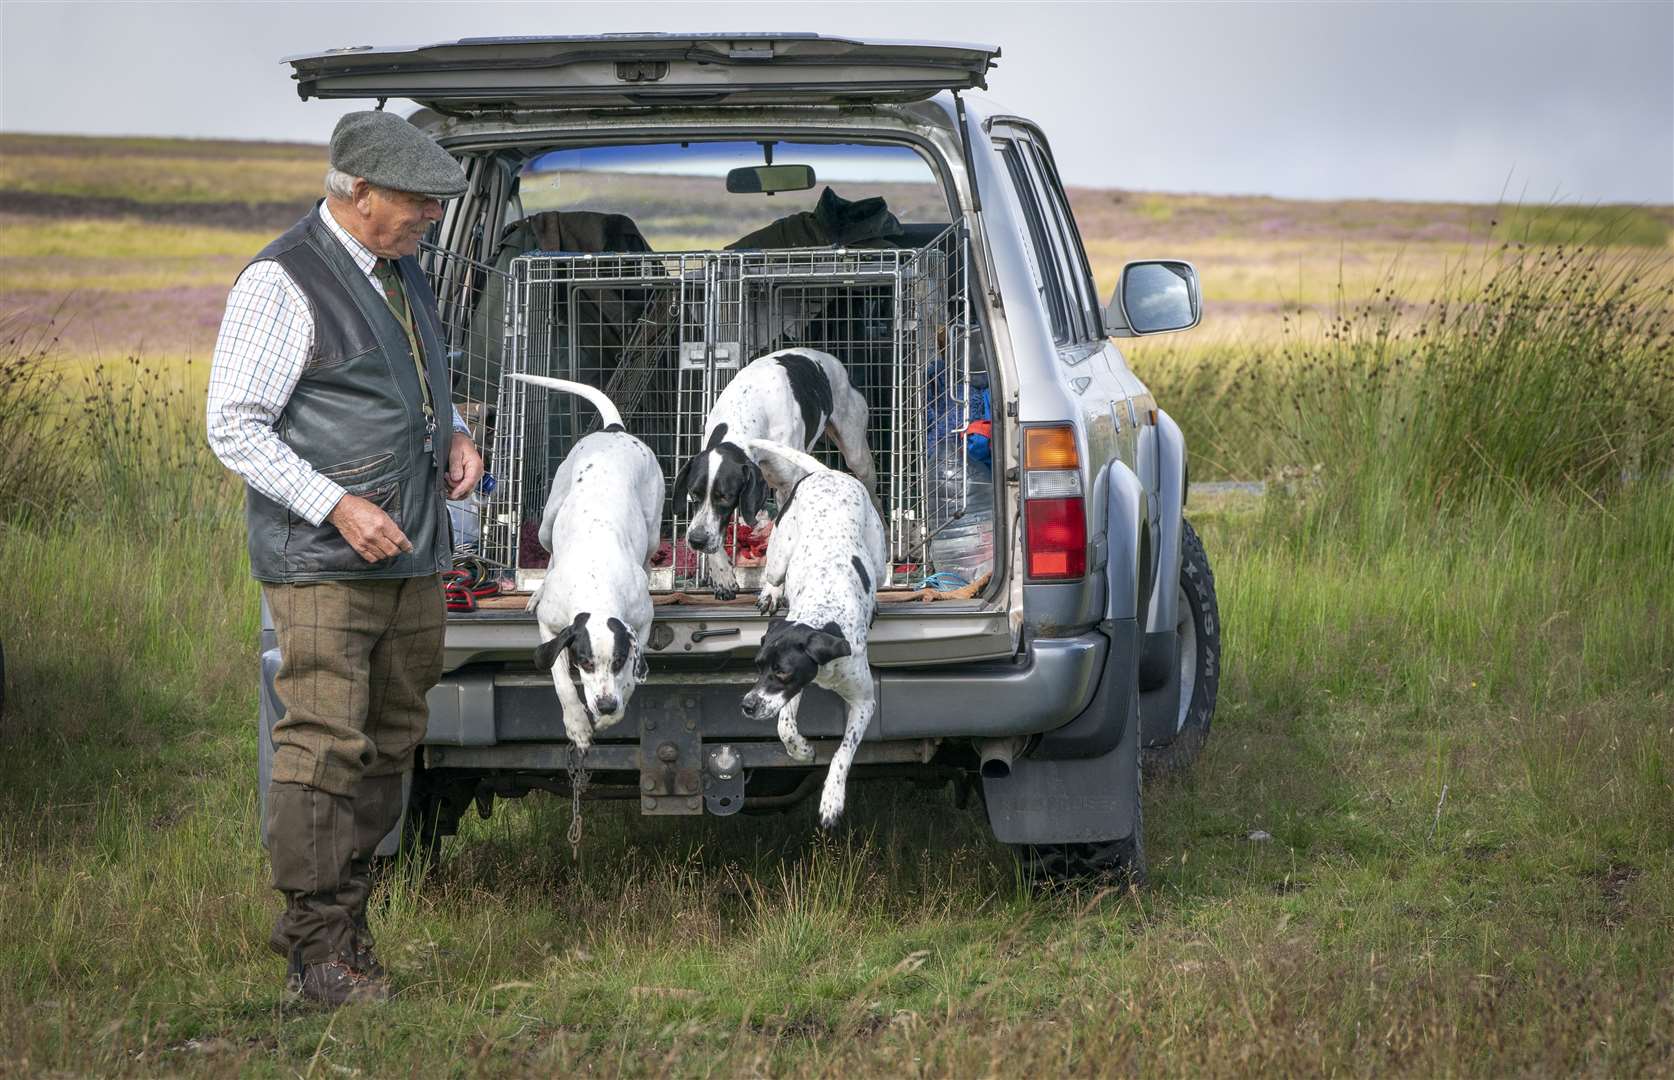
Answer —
336 982
364 959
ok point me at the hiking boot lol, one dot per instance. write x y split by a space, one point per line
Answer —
336 982
363 958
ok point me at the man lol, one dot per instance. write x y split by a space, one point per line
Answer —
328 377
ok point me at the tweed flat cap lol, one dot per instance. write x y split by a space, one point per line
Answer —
388 151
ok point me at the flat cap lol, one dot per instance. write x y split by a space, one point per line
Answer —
386 150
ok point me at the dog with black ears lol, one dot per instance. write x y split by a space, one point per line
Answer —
602 524
825 557
790 397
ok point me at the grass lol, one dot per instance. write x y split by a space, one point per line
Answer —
165 178
1445 700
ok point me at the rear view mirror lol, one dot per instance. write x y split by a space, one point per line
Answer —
767 179
1154 296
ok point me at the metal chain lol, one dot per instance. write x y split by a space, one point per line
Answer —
576 765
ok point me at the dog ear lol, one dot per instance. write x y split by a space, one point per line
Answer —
682 482
642 667
828 644
546 653
753 498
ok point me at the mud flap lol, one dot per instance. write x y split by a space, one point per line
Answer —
1070 801
1079 799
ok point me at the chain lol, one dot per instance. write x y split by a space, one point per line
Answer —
576 766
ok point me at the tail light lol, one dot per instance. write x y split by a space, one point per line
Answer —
1054 509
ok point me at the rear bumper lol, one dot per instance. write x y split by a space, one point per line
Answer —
490 704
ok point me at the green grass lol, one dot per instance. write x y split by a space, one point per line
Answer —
166 178
1519 662
1445 698
106 239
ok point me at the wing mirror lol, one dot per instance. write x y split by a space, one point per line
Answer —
767 179
1154 296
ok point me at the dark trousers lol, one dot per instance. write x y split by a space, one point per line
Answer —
356 660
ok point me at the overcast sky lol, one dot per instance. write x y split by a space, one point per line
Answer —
1398 100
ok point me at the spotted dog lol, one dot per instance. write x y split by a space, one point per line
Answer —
825 557
789 397
602 523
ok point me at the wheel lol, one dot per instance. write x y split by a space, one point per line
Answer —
1118 861
434 807
1199 658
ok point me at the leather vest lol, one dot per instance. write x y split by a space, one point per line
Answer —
357 416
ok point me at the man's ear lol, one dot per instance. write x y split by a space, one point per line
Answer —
546 653
828 644
753 498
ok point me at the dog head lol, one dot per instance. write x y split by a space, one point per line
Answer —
710 487
791 654
606 660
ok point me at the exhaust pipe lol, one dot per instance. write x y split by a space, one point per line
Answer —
996 755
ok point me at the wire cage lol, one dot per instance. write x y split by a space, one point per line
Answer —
663 333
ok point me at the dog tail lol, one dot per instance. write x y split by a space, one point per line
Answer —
788 454
606 407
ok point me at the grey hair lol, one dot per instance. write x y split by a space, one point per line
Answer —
339 185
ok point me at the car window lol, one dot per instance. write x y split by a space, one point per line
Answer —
675 193
1080 278
1049 279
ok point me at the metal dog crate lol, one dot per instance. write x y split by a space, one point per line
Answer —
662 334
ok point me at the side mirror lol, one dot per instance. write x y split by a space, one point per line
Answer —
1154 296
767 179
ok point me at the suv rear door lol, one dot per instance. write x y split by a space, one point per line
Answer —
480 74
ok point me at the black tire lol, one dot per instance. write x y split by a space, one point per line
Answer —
1120 862
434 807
1200 659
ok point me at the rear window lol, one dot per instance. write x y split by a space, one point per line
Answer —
676 194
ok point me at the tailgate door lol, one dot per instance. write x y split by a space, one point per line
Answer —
479 74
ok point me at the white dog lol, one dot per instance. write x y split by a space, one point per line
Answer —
601 525
789 397
826 555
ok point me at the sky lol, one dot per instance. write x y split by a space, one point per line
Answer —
1408 100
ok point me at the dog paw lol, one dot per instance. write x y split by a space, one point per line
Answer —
725 592
831 809
767 600
798 748
580 734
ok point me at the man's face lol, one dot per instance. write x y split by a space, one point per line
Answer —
394 221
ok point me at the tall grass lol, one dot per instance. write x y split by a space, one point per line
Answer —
1532 371
1444 699
32 466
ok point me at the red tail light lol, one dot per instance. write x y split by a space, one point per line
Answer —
1057 538
1054 511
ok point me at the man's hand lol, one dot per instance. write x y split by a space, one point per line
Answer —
464 466
369 530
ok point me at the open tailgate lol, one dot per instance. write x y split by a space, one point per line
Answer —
479 74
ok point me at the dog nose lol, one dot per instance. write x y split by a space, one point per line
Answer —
697 538
751 706
608 706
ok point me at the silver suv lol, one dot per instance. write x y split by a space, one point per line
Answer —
647 213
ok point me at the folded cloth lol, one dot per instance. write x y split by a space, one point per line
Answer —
747 545
683 559
530 554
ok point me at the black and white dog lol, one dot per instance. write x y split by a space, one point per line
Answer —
826 555
789 397
602 524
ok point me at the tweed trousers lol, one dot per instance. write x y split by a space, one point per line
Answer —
356 661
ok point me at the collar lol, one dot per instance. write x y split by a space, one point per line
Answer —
359 252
